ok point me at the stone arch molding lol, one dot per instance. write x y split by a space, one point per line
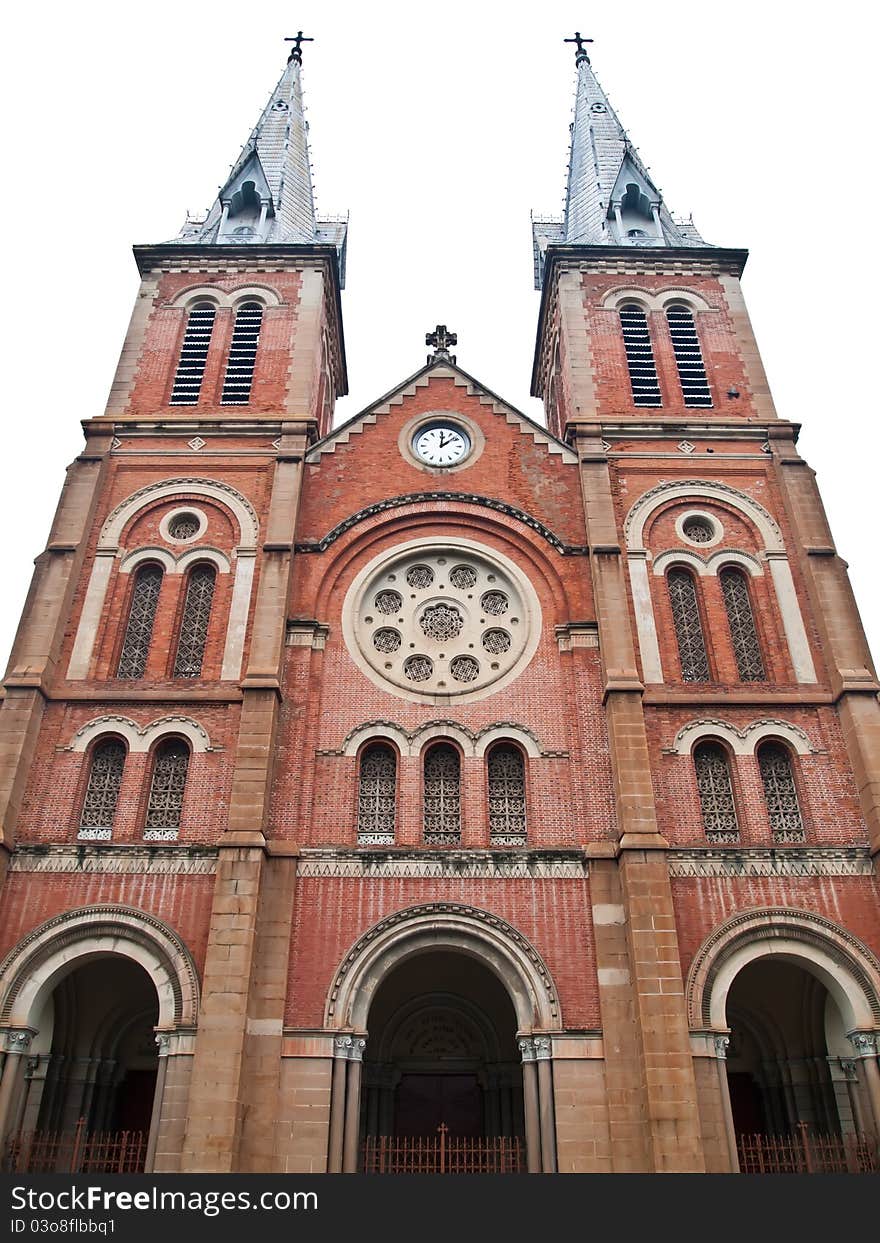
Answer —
437 926
773 554
411 743
224 298
742 741
141 738
108 550
34 966
843 963
175 564
706 566
654 301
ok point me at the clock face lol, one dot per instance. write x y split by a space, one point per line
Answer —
441 444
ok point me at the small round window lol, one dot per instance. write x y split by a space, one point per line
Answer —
698 528
184 526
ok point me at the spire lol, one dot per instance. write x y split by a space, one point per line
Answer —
268 197
610 198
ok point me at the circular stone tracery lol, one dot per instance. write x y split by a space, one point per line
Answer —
467 619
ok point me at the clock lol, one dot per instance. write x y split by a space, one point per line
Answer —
441 444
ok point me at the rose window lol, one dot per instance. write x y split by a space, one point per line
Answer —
438 621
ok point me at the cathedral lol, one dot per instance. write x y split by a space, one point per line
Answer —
439 790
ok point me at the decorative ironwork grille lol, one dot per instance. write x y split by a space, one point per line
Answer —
441 621
418 668
698 530
688 627
388 602
194 623
443 1154
780 793
75 1152
442 796
716 793
242 355
507 796
805 1153
639 356
688 357
495 602
102 792
420 576
183 526
386 640
377 792
462 576
193 355
464 668
141 615
496 641
741 621
166 791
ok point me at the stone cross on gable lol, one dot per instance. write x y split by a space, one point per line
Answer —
441 339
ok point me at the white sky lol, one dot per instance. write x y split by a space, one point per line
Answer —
439 126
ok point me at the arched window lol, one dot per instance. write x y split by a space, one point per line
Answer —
102 791
242 355
639 356
688 627
194 622
141 615
166 791
442 796
741 620
688 356
780 793
377 795
193 355
716 793
507 796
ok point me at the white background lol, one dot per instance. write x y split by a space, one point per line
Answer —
439 126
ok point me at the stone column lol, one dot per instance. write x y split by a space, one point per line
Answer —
848 1067
722 1044
16 1042
865 1045
163 1040
531 1105
544 1058
341 1045
351 1134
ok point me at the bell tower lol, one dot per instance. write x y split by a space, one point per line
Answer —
718 591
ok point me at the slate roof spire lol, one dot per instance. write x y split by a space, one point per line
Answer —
268 196
610 197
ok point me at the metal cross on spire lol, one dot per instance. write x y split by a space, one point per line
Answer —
581 52
297 40
441 339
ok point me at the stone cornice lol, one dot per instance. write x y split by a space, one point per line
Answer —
735 861
385 862
118 859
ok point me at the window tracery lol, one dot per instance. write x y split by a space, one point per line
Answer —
780 793
688 626
741 621
442 794
141 616
716 793
377 794
194 622
102 792
507 796
166 791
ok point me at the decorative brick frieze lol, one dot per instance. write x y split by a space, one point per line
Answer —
472 864
767 861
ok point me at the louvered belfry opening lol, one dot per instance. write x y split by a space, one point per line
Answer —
194 622
780 793
442 796
716 793
688 626
741 620
639 356
688 357
141 616
377 795
102 791
242 355
193 355
166 791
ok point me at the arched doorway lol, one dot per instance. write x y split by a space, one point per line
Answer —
442 1052
90 1081
786 1045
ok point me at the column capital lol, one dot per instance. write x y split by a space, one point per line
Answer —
722 1044
349 1048
527 1049
16 1039
543 1048
864 1043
